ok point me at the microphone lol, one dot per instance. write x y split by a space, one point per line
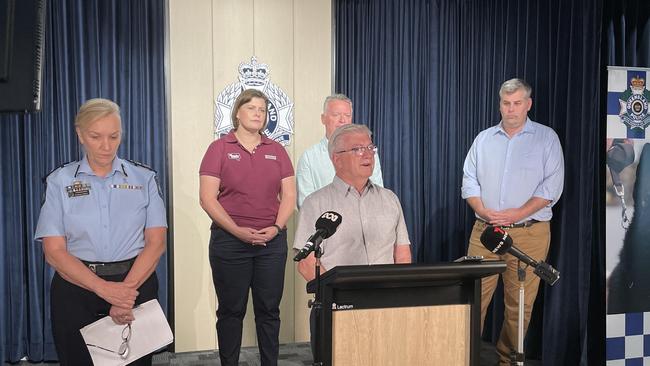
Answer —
498 241
620 155
326 225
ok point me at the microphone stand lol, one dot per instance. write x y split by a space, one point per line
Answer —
317 307
517 357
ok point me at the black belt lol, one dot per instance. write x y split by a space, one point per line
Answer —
527 223
110 268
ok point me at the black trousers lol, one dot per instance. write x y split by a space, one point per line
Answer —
74 307
236 268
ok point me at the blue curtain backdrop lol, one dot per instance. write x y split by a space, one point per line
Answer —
626 42
424 76
93 48
627 33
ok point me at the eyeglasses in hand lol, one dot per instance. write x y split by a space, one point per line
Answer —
359 150
123 350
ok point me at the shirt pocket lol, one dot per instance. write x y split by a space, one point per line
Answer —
531 160
129 204
380 233
81 215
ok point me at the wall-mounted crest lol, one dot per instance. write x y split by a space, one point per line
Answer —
280 109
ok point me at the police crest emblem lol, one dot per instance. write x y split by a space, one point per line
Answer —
279 111
634 104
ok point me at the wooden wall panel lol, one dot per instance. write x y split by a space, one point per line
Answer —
208 39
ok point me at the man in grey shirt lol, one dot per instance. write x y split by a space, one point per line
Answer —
372 230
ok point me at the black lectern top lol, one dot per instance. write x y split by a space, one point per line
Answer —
397 275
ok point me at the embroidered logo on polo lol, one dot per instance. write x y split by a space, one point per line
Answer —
270 157
77 189
634 104
234 156
279 116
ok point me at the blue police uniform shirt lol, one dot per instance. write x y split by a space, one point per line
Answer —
102 218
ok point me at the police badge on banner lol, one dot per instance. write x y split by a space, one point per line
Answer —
627 102
256 75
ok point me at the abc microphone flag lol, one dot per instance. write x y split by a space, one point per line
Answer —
326 226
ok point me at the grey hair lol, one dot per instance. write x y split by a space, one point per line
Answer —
332 144
332 97
513 85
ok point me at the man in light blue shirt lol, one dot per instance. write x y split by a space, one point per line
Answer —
315 169
512 176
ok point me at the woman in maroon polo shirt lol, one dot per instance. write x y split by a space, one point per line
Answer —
248 189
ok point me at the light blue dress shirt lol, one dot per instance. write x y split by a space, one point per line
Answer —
507 172
102 218
315 170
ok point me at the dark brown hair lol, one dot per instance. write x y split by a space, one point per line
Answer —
243 98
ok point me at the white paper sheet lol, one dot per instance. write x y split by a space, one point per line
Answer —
149 332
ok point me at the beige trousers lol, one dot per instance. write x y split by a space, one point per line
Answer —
534 241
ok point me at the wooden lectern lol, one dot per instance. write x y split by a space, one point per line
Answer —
396 314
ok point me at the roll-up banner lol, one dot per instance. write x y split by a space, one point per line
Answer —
627 217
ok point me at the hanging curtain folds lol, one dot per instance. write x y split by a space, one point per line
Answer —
93 48
424 76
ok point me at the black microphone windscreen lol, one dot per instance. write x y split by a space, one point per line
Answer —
496 240
620 155
328 222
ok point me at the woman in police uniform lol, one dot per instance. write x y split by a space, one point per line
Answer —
247 187
103 227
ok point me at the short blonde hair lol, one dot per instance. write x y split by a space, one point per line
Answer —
243 98
94 109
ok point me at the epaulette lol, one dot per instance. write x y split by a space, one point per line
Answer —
155 176
137 163
57 168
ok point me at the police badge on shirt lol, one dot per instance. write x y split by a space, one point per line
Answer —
77 189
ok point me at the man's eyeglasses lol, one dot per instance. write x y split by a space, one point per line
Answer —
123 350
359 150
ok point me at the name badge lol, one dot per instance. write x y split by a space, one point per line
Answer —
234 156
125 186
78 189
271 157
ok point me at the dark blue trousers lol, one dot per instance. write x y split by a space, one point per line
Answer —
74 307
236 268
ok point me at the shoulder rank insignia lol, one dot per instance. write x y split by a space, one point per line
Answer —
57 168
155 176
78 189
137 163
